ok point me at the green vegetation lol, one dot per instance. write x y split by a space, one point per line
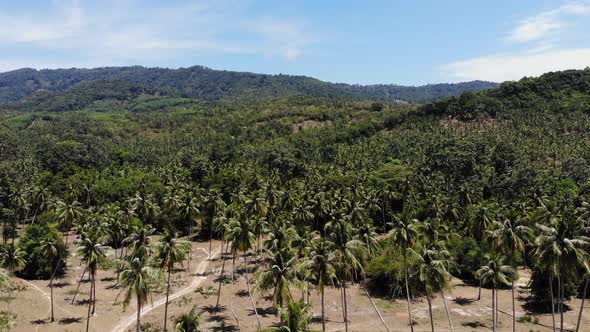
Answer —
320 191
196 82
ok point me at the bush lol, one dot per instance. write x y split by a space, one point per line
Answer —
38 265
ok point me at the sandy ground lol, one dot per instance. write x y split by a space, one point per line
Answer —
199 288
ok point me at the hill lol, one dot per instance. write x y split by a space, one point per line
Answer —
214 85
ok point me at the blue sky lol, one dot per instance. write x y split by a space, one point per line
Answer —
366 42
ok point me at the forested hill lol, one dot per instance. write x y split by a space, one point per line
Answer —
213 85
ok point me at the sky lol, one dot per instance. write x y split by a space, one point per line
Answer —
365 42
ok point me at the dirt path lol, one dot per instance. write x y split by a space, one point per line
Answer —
197 280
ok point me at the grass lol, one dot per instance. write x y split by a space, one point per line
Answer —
19 121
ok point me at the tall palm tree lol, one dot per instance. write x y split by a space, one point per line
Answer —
136 278
403 235
495 272
68 214
510 237
320 264
92 252
348 251
559 249
479 221
170 251
51 251
433 272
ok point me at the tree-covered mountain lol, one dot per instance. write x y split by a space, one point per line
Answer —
208 84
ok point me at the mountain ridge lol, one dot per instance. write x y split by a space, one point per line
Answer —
214 85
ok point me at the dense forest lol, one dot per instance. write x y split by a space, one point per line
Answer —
215 85
325 189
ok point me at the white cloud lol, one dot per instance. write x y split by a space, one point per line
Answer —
541 25
508 67
129 32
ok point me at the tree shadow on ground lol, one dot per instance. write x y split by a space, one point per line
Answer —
463 301
69 320
474 325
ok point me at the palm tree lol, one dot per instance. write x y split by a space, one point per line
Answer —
188 322
511 237
348 251
433 272
280 270
296 317
559 251
92 253
51 251
319 263
136 277
479 222
68 214
12 259
403 235
190 208
497 274
170 251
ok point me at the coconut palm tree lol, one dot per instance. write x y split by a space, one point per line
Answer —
68 214
92 252
510 237
559 249
12 259
348 251
320 264
51 251
188 322
403 235
279 271
496 273
136 278
170 251
433 273
479 221
296 316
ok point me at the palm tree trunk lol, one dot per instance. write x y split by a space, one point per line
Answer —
250 294
93 292
323 309
89 306
88 314
377 310
221 275
480 264
442 294
552 302
345 307
79 283
167 296
408 293
560 295
497 306
582 305
430 312
513 309
342 301
190 242
51 292
138 322
494 308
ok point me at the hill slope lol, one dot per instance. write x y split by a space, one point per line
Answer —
208 84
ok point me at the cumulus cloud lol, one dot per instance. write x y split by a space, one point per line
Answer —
129 32
543 52
543 24
509 67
